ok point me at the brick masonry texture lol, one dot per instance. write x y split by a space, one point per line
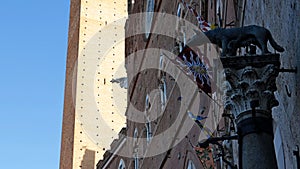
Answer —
66 156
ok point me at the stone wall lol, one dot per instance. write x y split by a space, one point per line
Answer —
282 18
148 82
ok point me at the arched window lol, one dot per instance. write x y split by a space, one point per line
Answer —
161 62
149 17
136 161
135 136
148 122
121 164
180 10
163 84
163 92
191 165
136 149
148 130
147 103
180 26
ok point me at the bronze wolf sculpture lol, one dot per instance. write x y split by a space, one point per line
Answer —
232 38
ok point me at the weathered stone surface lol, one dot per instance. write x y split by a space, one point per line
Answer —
243 86
282 18
258 153
249 95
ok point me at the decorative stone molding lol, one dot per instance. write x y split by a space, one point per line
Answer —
250 82
249 95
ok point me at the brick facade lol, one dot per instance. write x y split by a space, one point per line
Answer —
66 155
286 116
144 82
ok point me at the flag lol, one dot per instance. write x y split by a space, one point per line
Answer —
201 126
203 25
195 66
192 116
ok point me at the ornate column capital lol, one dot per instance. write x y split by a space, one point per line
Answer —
250 82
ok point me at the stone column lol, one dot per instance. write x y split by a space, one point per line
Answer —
249 95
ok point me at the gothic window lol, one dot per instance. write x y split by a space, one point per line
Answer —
135 150
149 17
162 85
191 165
163 92
135 135
121 164
219 12
136 161
180 26
148 130
161 62
161 65
180 10
147 103
148 123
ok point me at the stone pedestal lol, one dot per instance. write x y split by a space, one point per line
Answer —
249 95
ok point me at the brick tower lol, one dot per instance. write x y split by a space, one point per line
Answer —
93 116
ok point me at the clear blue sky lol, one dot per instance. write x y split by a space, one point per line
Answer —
33 47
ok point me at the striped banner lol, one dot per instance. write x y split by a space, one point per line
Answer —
203 25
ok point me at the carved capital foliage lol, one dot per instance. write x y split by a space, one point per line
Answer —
244 86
